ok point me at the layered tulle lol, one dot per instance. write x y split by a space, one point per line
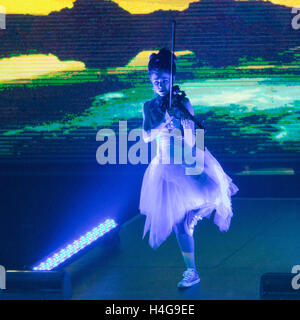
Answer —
168 193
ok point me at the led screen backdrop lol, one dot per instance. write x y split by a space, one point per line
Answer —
71 68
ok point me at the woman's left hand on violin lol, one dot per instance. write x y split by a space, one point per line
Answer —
179 112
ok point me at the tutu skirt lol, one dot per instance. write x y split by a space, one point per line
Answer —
168 193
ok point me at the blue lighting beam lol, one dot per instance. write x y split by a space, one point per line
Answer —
67 252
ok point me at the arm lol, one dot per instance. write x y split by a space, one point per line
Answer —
150 131
189 125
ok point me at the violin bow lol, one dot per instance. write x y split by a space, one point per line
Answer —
172 61
198 123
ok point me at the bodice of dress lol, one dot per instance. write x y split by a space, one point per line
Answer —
170 143
170 139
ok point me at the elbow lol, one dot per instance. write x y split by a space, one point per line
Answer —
189 137
146 139
146 136
191 142
150 135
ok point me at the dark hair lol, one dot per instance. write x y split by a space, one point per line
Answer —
161 61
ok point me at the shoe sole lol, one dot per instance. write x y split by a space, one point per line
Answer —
190 285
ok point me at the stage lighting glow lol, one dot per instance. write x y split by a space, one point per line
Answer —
61 256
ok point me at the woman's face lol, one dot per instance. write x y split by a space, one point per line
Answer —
161 82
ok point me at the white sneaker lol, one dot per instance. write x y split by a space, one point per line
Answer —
190 278
190 221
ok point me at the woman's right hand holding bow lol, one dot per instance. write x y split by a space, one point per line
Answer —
171 121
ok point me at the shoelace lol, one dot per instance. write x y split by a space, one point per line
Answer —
188 274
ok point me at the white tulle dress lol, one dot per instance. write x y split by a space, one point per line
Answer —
168 192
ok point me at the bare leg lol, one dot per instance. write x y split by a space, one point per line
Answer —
186 245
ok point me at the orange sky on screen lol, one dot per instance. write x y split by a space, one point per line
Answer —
44 7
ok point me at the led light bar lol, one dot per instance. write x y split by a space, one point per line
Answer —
66 253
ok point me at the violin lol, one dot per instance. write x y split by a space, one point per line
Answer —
177 108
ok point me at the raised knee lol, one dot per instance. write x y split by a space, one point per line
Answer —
179 228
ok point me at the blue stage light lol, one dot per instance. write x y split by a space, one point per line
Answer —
66 253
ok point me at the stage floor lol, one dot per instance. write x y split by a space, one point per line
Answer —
264 237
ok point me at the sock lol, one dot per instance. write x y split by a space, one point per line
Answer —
189 259
186 244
